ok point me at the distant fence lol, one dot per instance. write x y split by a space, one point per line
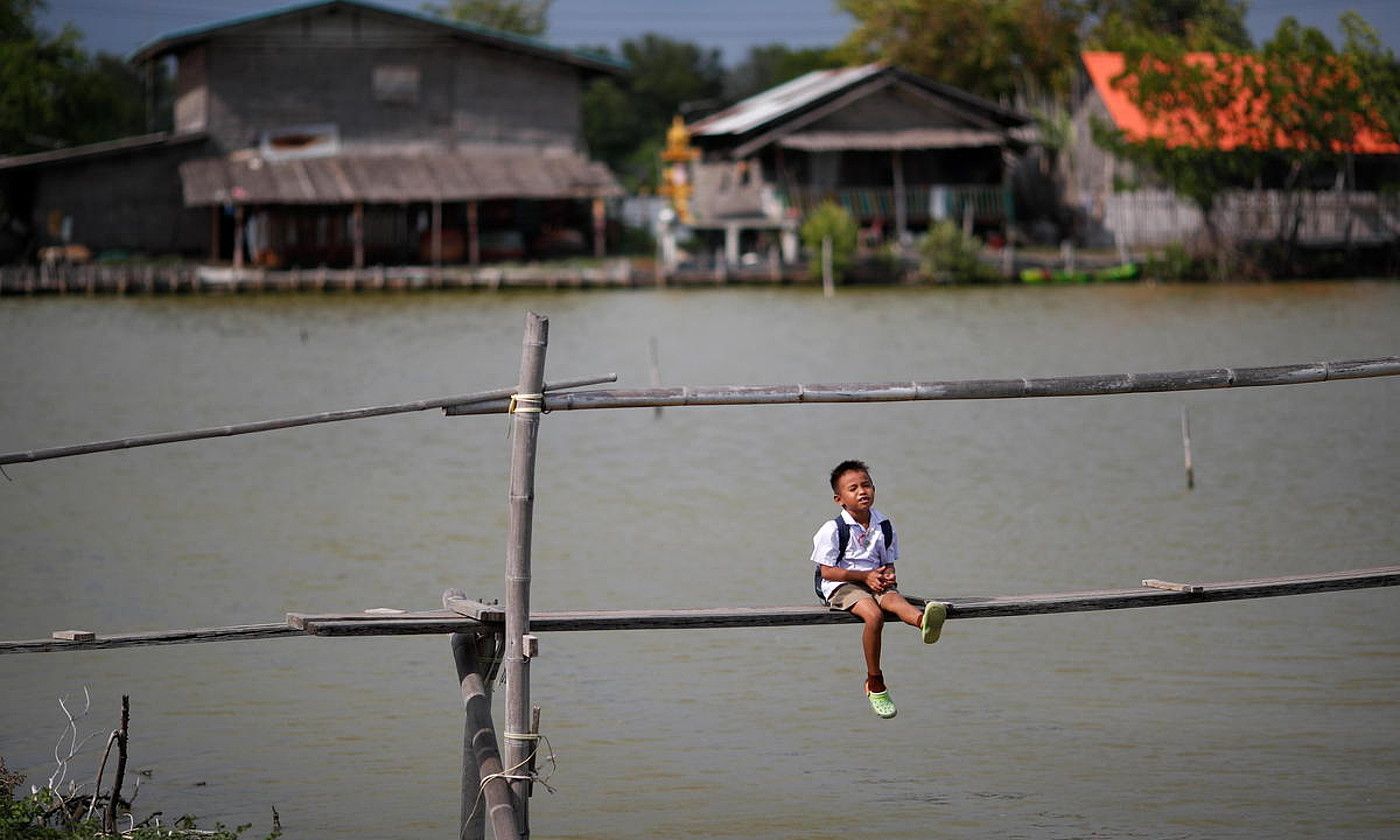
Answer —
1159 217
921 203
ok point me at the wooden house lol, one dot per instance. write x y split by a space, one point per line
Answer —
1115 201
895 149
340 132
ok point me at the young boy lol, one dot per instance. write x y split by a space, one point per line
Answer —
862 578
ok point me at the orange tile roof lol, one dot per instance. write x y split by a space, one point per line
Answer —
1239 123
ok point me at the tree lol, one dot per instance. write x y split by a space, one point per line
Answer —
53 94
1217 25
1000 49
772 64
625 122
522 17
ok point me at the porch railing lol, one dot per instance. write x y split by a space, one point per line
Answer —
988 203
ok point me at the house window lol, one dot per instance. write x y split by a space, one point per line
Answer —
396 83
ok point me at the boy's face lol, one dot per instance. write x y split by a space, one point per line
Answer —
855 491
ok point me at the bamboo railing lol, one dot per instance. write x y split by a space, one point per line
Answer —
958 389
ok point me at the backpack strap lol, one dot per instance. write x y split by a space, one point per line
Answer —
843 539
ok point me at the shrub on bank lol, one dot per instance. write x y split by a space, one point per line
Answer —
946 254
829 221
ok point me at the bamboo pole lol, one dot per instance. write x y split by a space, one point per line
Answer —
519 742
285 422
965 389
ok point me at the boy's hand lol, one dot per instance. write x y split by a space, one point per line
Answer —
879 580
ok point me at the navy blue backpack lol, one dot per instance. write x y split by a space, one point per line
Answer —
843 539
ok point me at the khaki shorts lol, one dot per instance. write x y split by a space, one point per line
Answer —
847 595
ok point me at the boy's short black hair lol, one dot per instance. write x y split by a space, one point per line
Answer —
845 467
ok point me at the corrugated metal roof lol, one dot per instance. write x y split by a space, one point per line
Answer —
762 108
459 175
1244 122
909 138
510 40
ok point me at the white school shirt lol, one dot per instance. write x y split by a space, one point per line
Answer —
865 551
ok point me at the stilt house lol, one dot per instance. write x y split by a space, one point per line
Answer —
340 132
895 149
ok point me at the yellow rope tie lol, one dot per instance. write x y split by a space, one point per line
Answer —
525 403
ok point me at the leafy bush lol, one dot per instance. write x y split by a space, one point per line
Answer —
947 254
829 221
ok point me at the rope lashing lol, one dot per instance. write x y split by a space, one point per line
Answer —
526 404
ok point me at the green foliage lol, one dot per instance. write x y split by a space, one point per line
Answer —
42 815
53 94
996 48
1175 263
1213 25
946 253
772 64
521 17
830 221
624 123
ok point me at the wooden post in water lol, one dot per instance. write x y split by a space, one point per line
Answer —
828 275
481 757
525 421
1186 449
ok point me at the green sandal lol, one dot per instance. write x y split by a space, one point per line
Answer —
932 624
881 704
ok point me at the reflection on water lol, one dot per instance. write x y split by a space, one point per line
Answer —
1206 721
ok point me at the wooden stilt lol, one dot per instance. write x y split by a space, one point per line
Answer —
437 233
473 234
238 234
519 743
901 214
600 228
357 233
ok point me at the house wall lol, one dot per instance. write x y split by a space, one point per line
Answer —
130 202
320 67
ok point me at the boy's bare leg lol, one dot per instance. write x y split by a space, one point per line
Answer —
894 604
874 617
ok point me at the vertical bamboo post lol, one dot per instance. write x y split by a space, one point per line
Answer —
1186 449
525 421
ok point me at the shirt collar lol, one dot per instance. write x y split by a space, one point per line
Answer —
876 517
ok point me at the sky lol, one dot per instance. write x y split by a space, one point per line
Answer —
732 26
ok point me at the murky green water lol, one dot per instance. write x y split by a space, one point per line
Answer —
1274 717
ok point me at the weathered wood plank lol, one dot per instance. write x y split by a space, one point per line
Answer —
491 613
958 607
428 622
160 637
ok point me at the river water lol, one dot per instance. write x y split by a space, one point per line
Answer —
1241 719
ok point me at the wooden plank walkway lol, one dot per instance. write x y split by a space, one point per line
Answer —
440 621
